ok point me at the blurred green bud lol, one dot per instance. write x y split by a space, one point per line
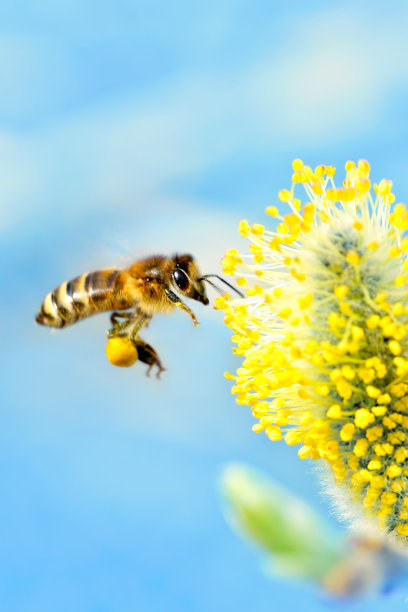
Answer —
299 542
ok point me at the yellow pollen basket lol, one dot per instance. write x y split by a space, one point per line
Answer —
322 331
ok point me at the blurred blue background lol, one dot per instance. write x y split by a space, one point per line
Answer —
134 127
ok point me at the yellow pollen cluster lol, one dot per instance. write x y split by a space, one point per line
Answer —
322 330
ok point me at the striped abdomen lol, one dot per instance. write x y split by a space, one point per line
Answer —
83 296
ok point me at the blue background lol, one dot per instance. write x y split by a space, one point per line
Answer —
128 128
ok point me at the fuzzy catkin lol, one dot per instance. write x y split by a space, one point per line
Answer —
322 330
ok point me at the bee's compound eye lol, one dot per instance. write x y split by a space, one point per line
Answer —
180 278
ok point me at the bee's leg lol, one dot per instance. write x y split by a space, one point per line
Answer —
147 354
140 317
147 320
115 316
177 302
124 320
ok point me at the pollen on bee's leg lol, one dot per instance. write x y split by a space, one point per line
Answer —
121 351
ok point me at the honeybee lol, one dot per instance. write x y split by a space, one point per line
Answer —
148 287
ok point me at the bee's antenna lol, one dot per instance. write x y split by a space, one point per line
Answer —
220 291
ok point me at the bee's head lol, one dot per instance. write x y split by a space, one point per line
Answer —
187 278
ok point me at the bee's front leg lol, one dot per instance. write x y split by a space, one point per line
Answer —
177 302
147 354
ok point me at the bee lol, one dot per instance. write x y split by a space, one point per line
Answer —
149 286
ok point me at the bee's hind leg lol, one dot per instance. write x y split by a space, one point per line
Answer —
128 324
147 354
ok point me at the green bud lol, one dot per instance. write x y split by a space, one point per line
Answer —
300 544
